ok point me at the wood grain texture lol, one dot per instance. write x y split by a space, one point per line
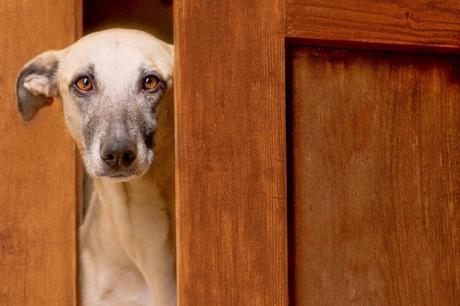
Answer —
38 166
375 149
407 24
230 158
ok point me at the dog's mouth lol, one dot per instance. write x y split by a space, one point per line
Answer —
118 175
120 178
117 178
123 173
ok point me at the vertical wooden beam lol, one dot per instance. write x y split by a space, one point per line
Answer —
230 162
38 177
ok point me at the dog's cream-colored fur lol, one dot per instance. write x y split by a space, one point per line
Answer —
126 242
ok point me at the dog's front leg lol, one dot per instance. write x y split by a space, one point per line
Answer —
158 263
150 245
160 277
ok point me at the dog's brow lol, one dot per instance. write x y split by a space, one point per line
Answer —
86 70
145 70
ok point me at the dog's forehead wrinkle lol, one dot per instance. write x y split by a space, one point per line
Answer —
108 57
86 69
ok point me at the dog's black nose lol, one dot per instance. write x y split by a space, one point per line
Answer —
119 153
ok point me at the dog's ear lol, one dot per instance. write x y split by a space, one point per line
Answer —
37 85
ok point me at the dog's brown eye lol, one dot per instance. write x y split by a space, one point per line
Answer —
151 82
84 84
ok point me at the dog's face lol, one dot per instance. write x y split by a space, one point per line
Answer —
111 83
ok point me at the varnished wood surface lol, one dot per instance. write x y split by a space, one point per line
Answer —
230 162
38 187
406 24
375 150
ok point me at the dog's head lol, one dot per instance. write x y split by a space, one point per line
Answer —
110 83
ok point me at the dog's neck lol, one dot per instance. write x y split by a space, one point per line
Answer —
141 210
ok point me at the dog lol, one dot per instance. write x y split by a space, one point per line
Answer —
116 90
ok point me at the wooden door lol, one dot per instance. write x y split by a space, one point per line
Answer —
39 174
375 177
346 192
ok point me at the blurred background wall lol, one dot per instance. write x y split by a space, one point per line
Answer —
154 16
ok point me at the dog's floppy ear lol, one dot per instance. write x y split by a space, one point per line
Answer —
37 85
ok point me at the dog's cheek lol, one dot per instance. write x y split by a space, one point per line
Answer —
91 158
149 139
87 162
73 120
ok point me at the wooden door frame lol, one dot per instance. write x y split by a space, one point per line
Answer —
230 127
230 152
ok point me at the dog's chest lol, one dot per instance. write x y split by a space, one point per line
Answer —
116 287
109 277
126 252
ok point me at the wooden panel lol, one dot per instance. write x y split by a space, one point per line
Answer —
375 148
401 23
230 172
38 170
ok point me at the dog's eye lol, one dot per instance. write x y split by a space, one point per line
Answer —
84 83
150 83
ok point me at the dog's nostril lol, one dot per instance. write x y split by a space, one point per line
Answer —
128 158
110 158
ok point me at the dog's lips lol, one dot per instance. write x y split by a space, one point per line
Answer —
120 174
117 175
120 178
